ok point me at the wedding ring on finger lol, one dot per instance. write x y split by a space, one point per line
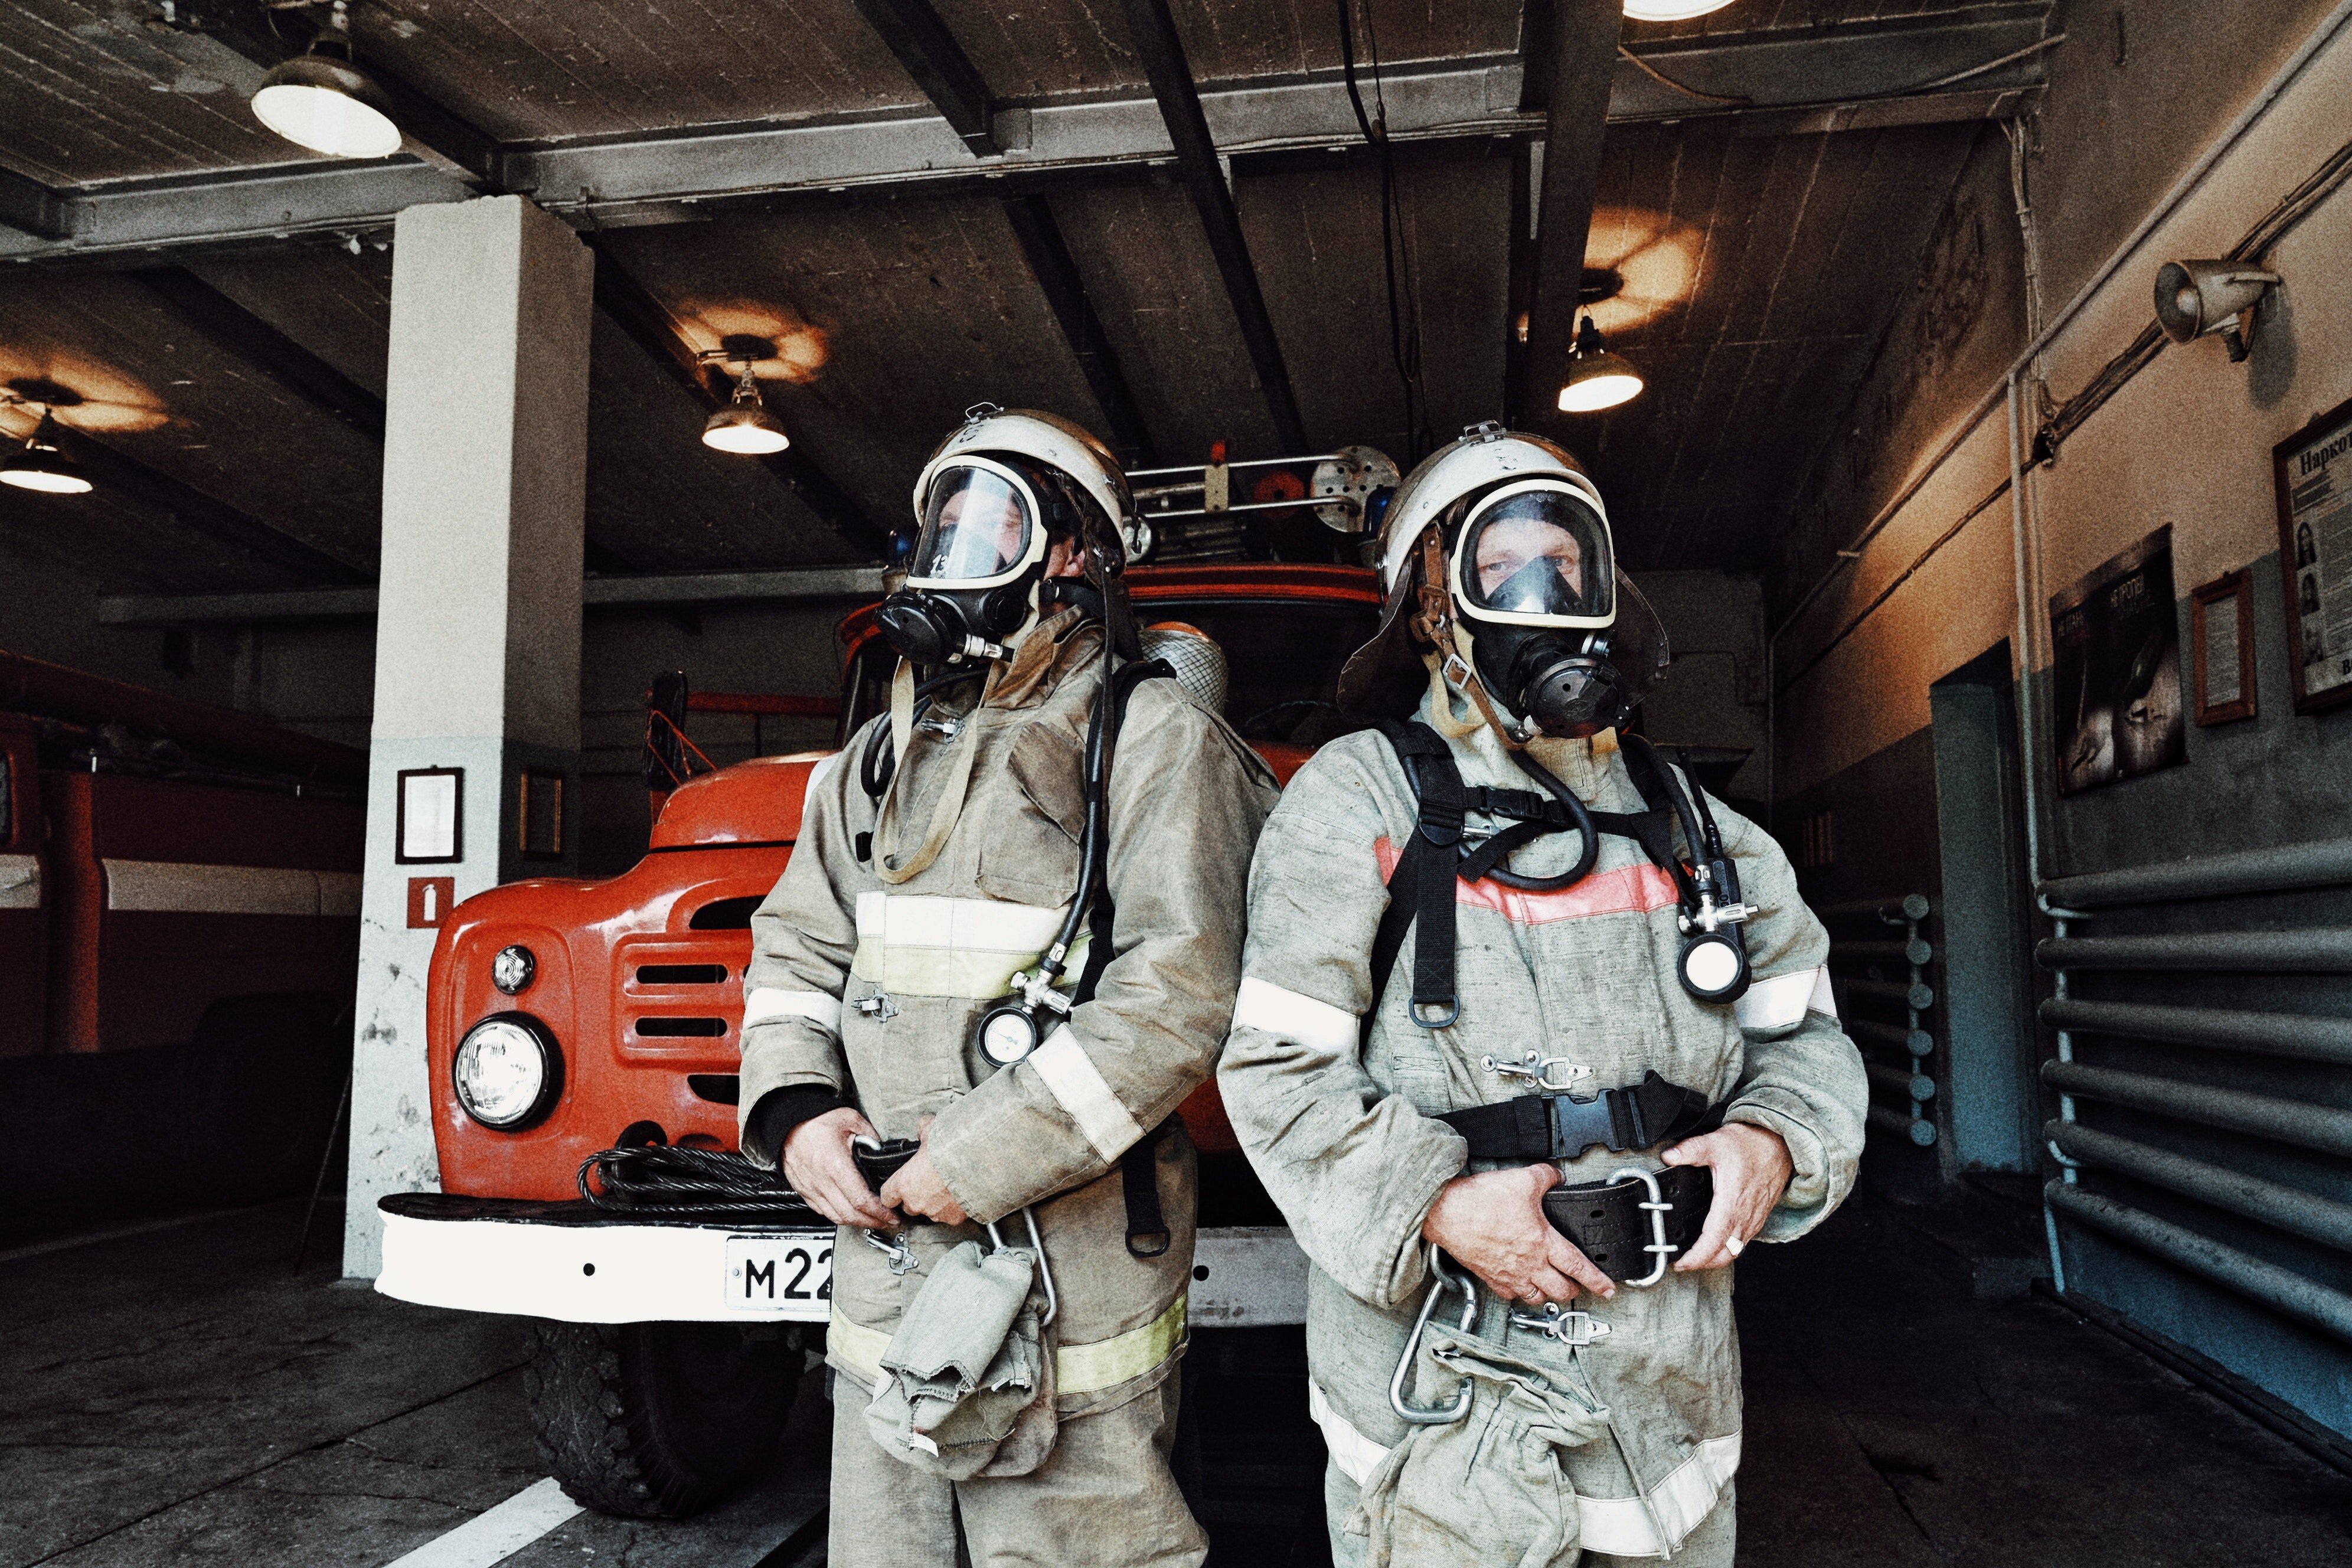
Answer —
1734 1245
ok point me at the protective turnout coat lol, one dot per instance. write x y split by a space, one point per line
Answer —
872 989
1345 1138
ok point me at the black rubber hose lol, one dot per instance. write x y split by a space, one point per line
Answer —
1588 851
878 765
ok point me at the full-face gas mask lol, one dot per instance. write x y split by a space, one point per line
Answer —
1534 585
977 561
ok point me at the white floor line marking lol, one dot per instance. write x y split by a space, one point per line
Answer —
491 1537
170 1222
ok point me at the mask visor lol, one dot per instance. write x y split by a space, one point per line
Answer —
1536 553
979 528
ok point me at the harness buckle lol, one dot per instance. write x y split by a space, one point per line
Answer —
1575 1330
1659 1248
1537 1069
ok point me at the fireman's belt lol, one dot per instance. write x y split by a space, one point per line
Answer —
1607 1221
1557 1127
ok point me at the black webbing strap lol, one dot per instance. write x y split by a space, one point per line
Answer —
1556 1127
1138 1168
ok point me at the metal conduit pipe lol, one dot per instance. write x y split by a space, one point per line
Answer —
2307 1214
2302 1036
2320 1127
1916 951
1896 1124
1912 1085
2324 949
2323 863
1916 994
1918 1042
1894 912
2281 1290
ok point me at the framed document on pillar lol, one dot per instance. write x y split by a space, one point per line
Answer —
2312 469
539 815
2221 620
428 817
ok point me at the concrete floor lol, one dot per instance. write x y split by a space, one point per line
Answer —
180 1395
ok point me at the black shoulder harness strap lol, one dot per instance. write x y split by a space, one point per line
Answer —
1138 1168
1421 887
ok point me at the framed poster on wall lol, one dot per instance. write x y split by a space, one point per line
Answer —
2114 670
2312 469
2222 626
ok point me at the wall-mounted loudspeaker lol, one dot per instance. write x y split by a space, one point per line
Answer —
2196 297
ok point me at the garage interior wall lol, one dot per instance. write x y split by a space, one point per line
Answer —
2140 92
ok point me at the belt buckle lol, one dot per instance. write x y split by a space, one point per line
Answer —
1577 1124
1659 1248
1575 1330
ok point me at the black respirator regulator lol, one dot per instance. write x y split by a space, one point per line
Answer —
973 580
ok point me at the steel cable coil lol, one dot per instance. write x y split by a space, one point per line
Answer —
689 1183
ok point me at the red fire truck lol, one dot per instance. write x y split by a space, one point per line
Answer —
667 1354
179 934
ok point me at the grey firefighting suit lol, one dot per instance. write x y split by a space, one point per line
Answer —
872 988
1345 1136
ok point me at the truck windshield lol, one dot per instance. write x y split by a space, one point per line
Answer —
1282 658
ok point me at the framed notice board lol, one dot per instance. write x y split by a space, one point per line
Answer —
2313 469
2221 620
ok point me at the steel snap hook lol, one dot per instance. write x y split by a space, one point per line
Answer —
1575 1330
1443 1281
1537 1069
900 1257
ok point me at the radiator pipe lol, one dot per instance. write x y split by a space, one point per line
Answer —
2281 1290
2290 1209
2302 1036
2320 1127
2323 950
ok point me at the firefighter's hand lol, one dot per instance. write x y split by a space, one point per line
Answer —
917 1188
817 1163
1494 1225
1752 1168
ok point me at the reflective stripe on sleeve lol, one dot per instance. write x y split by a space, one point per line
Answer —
1263 1005
1078 1084
1616 1527
768 1004
1078 1369
1783 1000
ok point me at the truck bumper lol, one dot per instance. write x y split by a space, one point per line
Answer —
579 1264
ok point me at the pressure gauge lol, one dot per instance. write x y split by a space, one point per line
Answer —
1007 1034
1714 965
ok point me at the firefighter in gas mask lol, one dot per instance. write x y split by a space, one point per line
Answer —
1004 949
1533 1039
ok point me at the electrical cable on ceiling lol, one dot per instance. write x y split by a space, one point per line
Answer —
1736 99
1404 311
1656 75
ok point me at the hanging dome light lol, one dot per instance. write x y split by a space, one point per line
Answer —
745 427
1671 10
1597 379
319 99
41 466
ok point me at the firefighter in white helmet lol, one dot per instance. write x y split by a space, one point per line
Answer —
1001 954
1533 1039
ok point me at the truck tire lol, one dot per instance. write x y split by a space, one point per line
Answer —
658 1420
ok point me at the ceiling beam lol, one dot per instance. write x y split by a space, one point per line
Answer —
237 332
34 208
804 585
939 67
1851 76
1057 272
1584 55
635 311
133 480
1154 33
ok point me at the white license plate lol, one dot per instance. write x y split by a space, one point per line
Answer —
789 1275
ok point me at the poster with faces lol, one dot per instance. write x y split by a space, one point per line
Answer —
2115 673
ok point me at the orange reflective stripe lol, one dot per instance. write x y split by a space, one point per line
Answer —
1635 890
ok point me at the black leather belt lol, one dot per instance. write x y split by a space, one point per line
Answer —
1608 1225
1557 1127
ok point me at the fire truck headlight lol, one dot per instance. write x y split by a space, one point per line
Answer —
507 1072
513 969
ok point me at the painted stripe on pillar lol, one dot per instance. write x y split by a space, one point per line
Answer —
166 886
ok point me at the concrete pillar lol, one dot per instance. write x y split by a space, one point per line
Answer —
478 620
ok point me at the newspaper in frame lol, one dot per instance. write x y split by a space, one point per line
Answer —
2313 469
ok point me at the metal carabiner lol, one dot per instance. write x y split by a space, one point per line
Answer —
1535 1067
1044 1269
1461 1406
1659 1248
